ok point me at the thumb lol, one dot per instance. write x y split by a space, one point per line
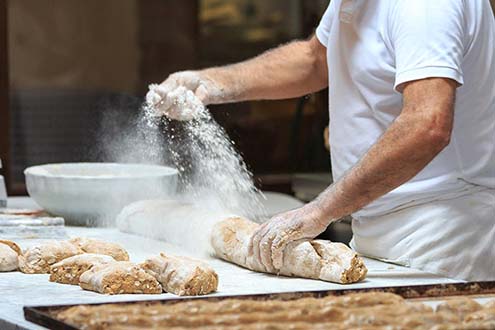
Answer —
202 94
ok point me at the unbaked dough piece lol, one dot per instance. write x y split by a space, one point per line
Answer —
9 253
39 258
369 310
182 276
318 259
490 304
70 269
91 245
12 245
484 315
459 306
119 277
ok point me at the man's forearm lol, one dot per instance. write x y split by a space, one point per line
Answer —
411 142
291 70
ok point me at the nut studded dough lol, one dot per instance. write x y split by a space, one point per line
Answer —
318 259
365 311
69 270
119 277
39 258
182 276
90 245
9 253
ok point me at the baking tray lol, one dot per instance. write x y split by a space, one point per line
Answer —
41 315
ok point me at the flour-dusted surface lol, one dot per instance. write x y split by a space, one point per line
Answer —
20 289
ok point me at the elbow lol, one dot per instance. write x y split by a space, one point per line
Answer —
318 55
437 138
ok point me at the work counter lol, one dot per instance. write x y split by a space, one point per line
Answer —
18 290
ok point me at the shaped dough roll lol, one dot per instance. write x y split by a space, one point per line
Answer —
70 269
317 259
39 258
90 245
182 276
119 277
9 253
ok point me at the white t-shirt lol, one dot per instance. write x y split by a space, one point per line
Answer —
374 46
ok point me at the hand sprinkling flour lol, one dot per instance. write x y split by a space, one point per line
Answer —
212 173
183 95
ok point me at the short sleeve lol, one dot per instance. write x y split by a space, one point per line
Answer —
427 38
323 29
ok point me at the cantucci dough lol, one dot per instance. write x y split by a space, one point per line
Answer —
39 258
367 310
91 245
12 245
70 269
459 306
9 253
318 259
182 276
117 278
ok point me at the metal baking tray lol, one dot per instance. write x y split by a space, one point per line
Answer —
43 315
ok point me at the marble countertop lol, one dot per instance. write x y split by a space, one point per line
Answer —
18 290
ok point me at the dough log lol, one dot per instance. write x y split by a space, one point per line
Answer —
182 276
317 259
39 258
119 277
90 245
69 270
9 253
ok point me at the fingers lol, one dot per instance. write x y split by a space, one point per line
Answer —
175 97
277 250
202 94
254 246
265 249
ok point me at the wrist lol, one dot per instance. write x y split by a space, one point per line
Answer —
320 213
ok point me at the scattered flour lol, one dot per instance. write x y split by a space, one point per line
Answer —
214 180
212 173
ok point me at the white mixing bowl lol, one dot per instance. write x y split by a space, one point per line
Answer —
94 193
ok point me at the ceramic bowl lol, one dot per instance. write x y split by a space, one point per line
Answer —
94 193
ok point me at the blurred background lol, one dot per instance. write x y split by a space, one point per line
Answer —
64 63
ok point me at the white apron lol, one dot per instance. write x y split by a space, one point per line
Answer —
453 236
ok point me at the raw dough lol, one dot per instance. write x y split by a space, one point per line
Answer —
12 245
119 277
39 258
90 245
367 311
460 306
70 269
9 253
318 259
182 276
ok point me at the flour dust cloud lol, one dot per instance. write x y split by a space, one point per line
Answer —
212 173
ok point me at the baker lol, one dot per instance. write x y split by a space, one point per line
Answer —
412 129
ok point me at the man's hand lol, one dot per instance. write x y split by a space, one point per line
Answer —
183 95
291 70
269 241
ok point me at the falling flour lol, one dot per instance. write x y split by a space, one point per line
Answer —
212 173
